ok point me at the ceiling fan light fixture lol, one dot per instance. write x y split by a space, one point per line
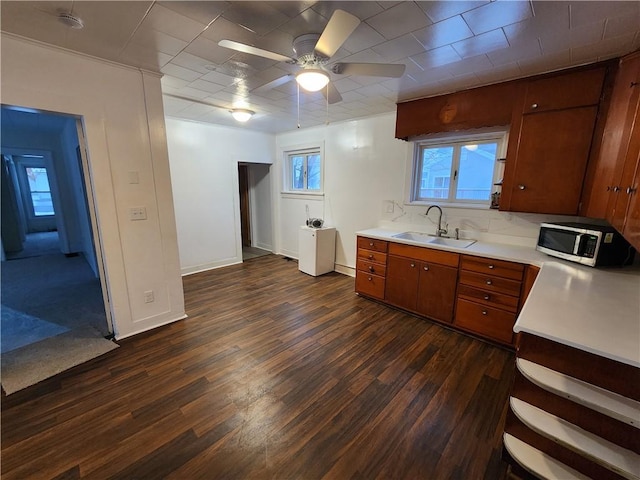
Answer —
242 114
312 79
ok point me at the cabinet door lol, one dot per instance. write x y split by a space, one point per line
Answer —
605 177
402 282
549 167
437 291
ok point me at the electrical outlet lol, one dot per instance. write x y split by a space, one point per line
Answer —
148 296
137 213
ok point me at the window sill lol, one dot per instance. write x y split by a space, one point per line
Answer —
302 195
475 206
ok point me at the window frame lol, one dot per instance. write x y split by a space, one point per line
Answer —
288 154
414 163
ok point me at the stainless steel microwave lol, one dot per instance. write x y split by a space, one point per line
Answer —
593 245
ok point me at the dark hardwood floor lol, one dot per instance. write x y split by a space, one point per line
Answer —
274 375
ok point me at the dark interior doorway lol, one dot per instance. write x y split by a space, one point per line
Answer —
245 212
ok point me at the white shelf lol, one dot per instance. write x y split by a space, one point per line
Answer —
537 462
613 457
595 398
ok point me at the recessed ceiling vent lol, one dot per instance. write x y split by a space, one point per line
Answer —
71 20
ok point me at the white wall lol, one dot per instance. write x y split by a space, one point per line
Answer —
204 173
123 119
364 169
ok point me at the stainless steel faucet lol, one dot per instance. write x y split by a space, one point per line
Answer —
440 231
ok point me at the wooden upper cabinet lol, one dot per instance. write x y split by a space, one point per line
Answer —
604 178
550 142
569 90
476 108
546 172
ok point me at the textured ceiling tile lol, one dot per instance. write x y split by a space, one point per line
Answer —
604 49
438 11
484 43
201 12
209 50
398 48
585 13
180 72
469 65
206 86
164 20
443 33
564 39
398 20
219 78
308 21
259 17
173 82
497 14
160 41
517 50
436 57
362 38
360 9
621 25
545 63
192 62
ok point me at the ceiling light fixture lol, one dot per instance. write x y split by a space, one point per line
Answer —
242 114
70 20
312 79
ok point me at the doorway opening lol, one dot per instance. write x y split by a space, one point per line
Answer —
255 210
53 281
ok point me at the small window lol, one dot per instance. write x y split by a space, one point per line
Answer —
40 193
304 171
460 169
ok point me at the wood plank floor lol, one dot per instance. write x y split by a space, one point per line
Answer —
274 375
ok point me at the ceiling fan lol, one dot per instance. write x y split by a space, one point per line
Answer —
313 54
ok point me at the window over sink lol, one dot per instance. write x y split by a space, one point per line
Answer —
460 169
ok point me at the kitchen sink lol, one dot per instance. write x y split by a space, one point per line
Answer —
433 240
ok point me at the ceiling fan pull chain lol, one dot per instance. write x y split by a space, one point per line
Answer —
298 106
327 95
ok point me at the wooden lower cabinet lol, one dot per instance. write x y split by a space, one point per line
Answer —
371 267
422 281
488 297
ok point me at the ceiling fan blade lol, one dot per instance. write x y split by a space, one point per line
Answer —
274 83
340 26
332 94
370 69
241 47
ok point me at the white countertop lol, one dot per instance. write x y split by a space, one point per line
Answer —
593 309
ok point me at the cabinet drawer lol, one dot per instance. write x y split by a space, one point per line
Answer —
371 267
486 321
490 299
490 283
498 268
371 285
372 244
576 89
372 256
426 254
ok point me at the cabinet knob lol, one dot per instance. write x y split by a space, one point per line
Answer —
413 265
487 297
521 187
615 189
370 279
426 268
489 282
484 312
371 244
491 267
631 190
534 106
371 269
370 257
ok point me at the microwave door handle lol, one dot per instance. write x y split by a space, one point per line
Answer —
577 244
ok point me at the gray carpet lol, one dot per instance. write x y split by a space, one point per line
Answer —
38 361
18 329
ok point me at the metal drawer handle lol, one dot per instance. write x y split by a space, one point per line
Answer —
534 106
413 265
371 269
522 187
370 257
426 268
371 244
491 267
370 279
487 297
489 282
631 190
484 312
